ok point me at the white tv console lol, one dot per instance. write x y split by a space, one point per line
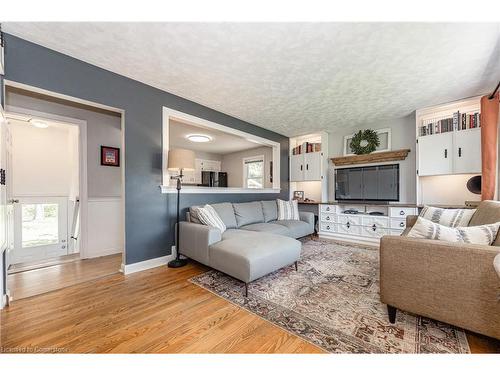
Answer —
362 227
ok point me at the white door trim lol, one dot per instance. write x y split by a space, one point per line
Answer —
9 83
82 140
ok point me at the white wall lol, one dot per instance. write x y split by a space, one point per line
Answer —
403 136
451 189
233 165
44 161
103 128
105 226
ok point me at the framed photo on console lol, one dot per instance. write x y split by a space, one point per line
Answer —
298 195
110 156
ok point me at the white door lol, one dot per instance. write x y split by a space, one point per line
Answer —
435 154
40 228
297 168
312 166
468 151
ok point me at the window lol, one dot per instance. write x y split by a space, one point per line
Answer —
253 172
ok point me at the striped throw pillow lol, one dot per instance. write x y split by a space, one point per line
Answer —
479 235
208 216
288 210
447 216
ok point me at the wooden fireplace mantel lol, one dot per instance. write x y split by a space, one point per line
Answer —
376 157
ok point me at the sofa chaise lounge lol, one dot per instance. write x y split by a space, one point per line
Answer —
255 243
451 282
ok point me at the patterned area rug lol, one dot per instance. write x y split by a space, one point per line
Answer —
333 302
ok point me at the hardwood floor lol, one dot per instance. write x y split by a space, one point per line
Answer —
42 280
158 311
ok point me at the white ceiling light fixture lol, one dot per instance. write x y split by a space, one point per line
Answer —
39 124
199 138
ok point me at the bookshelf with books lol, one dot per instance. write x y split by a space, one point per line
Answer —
458 121
309 166
448 149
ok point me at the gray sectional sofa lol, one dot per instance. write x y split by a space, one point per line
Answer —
254 244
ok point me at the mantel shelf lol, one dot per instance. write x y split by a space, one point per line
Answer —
376 157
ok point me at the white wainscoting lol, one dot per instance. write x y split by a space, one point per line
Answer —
105 227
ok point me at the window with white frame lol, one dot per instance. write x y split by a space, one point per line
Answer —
253 172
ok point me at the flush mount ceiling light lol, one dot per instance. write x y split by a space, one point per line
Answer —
199 138
39 124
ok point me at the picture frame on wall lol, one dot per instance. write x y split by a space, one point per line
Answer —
384 137
110 156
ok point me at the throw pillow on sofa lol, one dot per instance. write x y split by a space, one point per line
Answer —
208 216
448 216
288 210
479 235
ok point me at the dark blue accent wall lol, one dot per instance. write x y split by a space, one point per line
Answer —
150 215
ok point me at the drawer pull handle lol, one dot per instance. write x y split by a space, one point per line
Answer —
327 227
374 227
328 208
401 224
401 212
348 225
328 218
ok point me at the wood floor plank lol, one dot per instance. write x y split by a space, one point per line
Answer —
155 311
45 279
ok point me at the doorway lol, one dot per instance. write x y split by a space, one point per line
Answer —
55 242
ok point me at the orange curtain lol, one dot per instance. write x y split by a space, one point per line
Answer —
489 134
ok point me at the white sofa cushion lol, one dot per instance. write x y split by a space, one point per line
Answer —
208 216
288 210
479 235
449 217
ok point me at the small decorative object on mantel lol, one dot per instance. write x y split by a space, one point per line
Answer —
365 142
110 156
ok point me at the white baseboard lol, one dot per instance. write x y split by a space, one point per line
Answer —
127 269
102 253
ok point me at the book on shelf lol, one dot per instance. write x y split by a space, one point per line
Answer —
459 121
306 147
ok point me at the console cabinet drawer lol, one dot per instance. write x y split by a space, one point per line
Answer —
328 227
349 219
398 224
381 222
349 229
402 211
395 232
331 218
328 208
374 232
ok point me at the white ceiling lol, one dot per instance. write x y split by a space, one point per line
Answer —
221 144
291 78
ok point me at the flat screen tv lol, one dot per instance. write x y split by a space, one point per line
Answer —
378 183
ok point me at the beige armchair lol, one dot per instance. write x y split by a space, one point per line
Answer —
454 283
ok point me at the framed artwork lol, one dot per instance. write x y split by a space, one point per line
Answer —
384 137
299 195
110 156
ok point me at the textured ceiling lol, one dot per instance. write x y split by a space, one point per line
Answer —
221 143
291 78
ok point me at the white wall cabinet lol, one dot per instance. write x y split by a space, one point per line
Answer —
435 154
194 177
467 151
306 167
456 152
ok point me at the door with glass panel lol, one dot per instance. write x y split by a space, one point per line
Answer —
40 228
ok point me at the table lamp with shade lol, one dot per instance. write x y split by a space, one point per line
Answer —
179 160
